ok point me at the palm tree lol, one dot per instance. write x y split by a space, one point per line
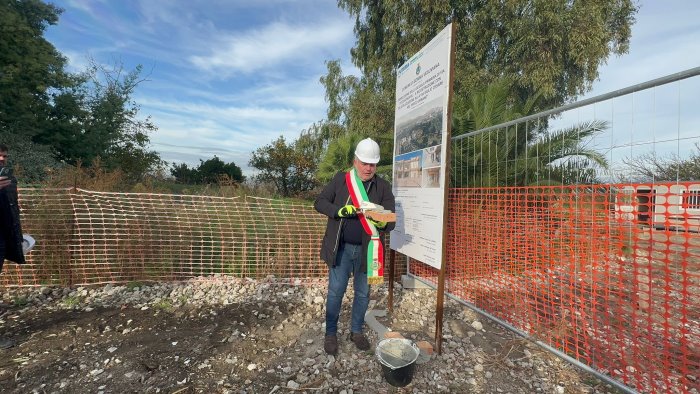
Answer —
338 156
521 154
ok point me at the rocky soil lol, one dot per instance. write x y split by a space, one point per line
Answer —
240 336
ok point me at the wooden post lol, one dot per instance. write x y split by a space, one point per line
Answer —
439 312
390 299
439 309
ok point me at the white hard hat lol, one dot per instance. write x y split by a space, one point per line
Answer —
367 151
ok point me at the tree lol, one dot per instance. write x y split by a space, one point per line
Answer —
339 89
30 67
652 168
183 174
76 117
356 105
520 155
289 167
549 47
528 156
98 118
552 46
209 171
489 106
338 157
32 162
341 152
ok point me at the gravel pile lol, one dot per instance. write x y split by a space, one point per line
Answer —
242 336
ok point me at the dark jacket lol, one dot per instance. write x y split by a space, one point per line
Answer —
11 227
333 197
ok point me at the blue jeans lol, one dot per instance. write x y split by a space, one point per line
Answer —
348 260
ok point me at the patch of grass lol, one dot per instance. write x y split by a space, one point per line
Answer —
134 284
590 381
71 301
164 305
20 301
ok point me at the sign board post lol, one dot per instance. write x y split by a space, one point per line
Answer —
421 157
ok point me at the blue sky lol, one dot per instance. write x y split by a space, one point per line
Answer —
226 77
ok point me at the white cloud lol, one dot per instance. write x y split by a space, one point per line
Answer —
224 78
77 62
302 93
273 45
190 131
87 6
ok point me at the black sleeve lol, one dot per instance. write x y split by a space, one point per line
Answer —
324 202
13 190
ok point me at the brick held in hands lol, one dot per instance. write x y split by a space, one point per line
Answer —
381 216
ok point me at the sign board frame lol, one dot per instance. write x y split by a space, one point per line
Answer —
423 118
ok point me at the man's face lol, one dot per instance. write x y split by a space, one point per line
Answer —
3 158
365 170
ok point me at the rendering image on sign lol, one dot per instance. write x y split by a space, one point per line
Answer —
420 131
408 169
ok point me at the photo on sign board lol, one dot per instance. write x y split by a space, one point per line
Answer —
431 156
431 178
407 169
420 128
431 167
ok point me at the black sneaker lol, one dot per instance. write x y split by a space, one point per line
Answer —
360 340
330 344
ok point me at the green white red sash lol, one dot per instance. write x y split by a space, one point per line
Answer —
375 249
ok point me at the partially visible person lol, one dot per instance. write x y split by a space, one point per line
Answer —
352 244
10 228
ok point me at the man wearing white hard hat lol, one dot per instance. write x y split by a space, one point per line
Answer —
353 242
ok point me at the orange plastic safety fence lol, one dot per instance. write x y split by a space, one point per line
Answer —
608 274
86 237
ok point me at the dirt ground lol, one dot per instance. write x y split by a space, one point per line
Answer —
155 348
81 341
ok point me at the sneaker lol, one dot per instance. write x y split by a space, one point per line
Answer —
360 340
330 344
6 343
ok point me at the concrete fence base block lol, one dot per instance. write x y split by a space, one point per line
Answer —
411 283
371 320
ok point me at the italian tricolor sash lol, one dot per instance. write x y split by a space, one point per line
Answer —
375 249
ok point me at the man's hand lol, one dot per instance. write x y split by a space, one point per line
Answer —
347 211
4 182
379 225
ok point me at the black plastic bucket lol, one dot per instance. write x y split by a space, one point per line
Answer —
398 359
